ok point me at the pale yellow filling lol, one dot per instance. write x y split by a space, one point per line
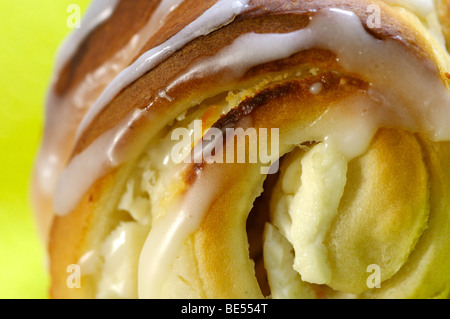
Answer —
343 223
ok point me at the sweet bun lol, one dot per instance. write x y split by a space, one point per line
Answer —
317 160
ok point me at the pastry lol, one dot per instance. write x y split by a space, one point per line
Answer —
249 149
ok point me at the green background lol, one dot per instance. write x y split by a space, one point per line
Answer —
30 33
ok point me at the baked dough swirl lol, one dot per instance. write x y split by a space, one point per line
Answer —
346 105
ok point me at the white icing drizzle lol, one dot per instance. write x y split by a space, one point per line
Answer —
221 13
168 234
85 168
56 142
69 109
